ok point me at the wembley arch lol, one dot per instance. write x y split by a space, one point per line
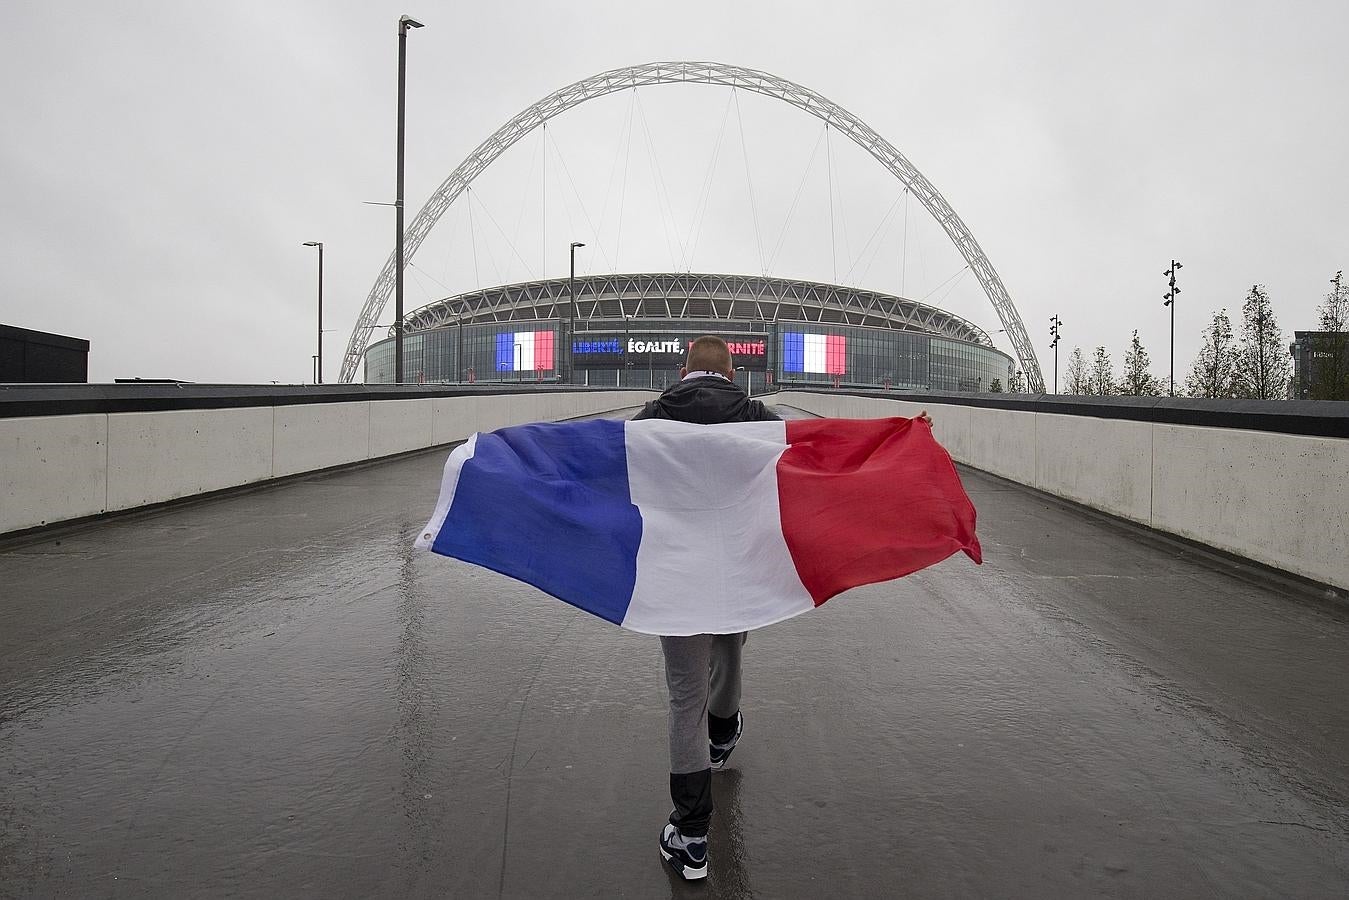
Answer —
789 92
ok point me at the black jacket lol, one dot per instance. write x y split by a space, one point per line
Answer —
709 400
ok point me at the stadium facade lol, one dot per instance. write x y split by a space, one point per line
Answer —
634 330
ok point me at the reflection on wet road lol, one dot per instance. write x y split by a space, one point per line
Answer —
270 695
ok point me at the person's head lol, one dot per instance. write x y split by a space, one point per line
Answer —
709 354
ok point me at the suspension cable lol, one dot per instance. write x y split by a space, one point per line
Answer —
543 210
959 275
829 179
511 244
792 210
749 183
418 274
904 249
879 225
473 237
700 209
963 270
623 193
487 246
566 207
842 215
668 223
520 216
455 222
613 167
428 275
566 170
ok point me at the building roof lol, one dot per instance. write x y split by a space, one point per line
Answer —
692 295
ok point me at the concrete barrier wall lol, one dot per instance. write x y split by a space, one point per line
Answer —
52 469
60 467
1278 499
157 456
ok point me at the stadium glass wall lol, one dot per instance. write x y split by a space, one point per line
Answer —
648 353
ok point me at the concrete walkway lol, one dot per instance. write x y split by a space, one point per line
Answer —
272 695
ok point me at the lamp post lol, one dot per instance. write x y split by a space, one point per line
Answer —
404 23
623 351
571 315
319 359
1171 296
1055 323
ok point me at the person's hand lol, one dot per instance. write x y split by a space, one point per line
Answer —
924 417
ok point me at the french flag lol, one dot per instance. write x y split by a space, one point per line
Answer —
824 354
524 351
674 529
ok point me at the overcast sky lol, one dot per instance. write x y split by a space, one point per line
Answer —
161 163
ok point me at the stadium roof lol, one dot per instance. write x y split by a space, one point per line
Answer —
694 296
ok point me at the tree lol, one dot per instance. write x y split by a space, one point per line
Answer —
1137 381
1076 373
1211 375
1101 378
1016 384
1262 367
1330 376
996 386
1333 313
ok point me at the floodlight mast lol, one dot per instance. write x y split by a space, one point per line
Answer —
616 80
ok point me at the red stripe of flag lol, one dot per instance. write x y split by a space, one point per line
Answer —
835 354
543 350
868 500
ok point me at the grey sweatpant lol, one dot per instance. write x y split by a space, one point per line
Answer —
702 672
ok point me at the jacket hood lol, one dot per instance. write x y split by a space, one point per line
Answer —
704 401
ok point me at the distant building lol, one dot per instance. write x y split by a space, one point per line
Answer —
35 357
1320 365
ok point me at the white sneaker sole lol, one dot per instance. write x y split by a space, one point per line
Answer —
684 871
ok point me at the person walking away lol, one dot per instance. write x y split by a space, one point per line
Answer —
702 671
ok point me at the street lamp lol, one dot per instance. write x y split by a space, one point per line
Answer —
404 23
319 358
1171 296
459 350
571 315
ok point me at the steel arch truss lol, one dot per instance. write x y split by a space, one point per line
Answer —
696 73
609 299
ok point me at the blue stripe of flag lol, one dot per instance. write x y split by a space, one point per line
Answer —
551 507
505 352
793 352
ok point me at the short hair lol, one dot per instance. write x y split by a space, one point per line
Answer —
709 354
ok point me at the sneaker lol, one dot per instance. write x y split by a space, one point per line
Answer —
686 855
720 752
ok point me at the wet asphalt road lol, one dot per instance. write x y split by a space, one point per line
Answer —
272 695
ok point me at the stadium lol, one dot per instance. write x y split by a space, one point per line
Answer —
633 331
